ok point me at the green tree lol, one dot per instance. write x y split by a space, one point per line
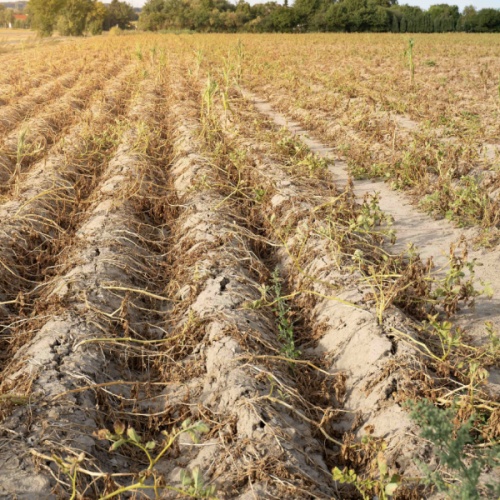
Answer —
153 15
412 19
487 20
314 15
211 15
372 16
484 20
283 20
395 20
355 15
444 17
72 19
120 14
380 19
243 13
96 17
335 18
306 9
44 14
6 17
467 20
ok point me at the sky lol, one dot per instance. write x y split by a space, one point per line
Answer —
480 4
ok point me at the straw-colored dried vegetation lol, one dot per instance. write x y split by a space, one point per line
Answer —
194 304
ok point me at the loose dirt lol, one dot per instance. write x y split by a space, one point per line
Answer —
171 253
431 238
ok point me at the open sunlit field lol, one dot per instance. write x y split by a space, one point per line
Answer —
21 39
250 266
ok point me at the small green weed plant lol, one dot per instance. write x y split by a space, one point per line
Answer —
451 447
382 483
149 479
283 316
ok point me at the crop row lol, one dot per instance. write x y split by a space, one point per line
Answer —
173 263
448 147
41 69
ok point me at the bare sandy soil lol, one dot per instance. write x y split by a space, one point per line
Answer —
189 304
430 237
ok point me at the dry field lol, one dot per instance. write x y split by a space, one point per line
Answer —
18 40
250 267
14 36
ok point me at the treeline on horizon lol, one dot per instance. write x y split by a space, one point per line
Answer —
78 17
314 15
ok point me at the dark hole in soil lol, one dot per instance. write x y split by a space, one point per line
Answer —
223 284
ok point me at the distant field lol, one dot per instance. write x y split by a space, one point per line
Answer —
358 90
13 40
229 262
15 36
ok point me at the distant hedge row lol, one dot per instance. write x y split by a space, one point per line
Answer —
314 15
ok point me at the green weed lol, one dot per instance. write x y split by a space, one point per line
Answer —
450 445
283 315
381 482
411 62
149 478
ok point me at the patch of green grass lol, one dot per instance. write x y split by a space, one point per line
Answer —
283 316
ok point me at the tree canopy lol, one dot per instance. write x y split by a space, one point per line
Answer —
314 15
76 17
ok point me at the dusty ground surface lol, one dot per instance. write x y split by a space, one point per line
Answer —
15 35
431 238
197 301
